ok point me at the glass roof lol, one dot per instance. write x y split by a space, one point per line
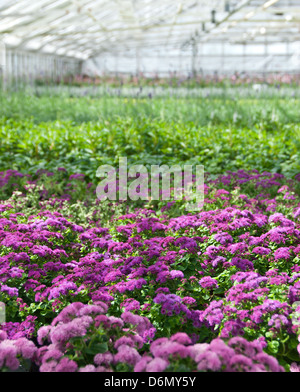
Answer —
87 28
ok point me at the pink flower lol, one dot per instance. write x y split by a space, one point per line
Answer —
142 364
3 335
157 365
182 338
295 368
87 369
25 347
43 333
103 359
8 355
66 365
128 355
209 361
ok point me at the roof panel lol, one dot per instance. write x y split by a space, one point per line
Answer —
96 25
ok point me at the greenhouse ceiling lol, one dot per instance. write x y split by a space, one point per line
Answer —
87 28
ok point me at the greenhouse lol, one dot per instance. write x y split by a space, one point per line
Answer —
149 188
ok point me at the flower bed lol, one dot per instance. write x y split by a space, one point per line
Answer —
96 286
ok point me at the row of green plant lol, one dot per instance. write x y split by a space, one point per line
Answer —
223 110
27 147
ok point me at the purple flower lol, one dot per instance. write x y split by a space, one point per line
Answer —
176 274
127 354
208 283
261 250
282 253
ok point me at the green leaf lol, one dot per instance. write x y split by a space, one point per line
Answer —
97 348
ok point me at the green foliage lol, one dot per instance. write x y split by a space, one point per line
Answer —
82 133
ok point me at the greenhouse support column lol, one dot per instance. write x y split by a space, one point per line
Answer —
31 69
3 65
222 61
288 54
19 57
9 68
266 56
16 70
22 69
137 55
55 68
244 56
25 62
180 62
194 57
13 69
201 66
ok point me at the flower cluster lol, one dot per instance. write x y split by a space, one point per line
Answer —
98 289
178 354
